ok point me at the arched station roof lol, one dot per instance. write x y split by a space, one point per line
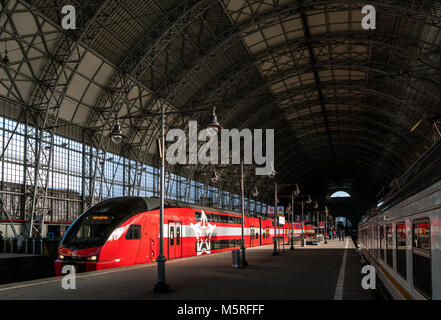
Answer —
342 100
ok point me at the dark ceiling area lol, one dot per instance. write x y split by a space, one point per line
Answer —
342 100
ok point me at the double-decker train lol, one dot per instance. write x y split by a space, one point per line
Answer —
401 238
125 231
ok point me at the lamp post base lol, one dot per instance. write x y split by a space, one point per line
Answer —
275 251
292 245
161 287
244 261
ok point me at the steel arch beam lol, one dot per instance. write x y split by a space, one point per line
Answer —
253 22
344 36
362 164
343 84
368 143
370 152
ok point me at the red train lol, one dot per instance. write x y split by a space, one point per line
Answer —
125 231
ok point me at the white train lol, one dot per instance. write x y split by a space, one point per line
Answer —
401 238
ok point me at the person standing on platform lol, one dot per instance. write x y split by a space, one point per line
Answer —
20 242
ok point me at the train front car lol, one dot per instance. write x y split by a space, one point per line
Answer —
91 243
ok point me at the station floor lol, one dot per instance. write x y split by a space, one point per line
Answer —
324 272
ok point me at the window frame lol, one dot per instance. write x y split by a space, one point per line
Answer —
389 250
171 236
423 252
382 243
426 253
404 276
129 232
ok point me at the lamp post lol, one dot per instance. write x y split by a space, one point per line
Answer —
326 225
161 286
214 180
294 194
292 222
117 136
303 206
242 193
276 248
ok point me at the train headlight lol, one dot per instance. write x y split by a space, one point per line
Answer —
61 257
92 258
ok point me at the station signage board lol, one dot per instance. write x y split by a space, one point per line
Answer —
280 211
270 211
281 220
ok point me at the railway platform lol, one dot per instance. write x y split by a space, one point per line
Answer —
324 271
16 267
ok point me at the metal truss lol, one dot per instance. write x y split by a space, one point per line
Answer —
194 56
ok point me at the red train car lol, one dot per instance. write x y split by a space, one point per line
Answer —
125 231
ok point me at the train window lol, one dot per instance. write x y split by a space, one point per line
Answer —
172 235
375 241
421 235
389 249
178 235
401 249
197 216
134 232
368 239
422 278
382 244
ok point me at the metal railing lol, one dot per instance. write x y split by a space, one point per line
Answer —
29 246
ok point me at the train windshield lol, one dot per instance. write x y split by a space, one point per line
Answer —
93 228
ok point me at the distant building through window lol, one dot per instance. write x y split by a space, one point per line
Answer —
340 194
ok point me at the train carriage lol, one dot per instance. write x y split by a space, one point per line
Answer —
401 238
125 231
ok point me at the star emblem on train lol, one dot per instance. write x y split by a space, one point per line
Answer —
203 231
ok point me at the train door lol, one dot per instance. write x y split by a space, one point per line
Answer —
145 252
260 232
252 236
130 243
174 240
268 235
